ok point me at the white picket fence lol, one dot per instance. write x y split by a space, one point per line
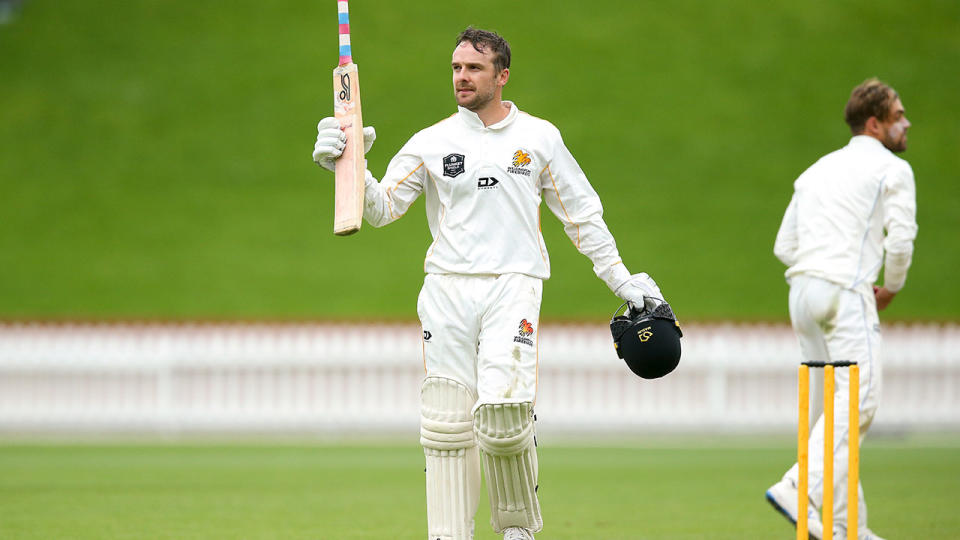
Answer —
331 379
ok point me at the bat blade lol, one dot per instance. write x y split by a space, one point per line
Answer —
351 166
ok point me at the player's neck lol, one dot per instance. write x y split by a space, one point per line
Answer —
493 112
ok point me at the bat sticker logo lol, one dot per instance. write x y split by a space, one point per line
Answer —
344 94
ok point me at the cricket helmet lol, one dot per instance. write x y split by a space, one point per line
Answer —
648 340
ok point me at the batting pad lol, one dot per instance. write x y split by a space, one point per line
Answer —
505 435
452 458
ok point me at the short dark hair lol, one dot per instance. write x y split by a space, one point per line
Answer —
872 97
483 40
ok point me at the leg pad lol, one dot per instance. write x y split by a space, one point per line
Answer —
506 437
452 458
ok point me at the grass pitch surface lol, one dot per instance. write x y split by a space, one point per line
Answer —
681 489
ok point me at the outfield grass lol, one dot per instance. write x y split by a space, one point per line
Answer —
684 489
155 155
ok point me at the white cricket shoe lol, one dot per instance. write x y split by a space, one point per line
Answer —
783 497
517 533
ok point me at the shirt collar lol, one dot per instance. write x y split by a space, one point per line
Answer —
472 120
865 140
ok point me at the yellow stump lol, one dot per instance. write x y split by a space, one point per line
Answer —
803 434
853 460
827 507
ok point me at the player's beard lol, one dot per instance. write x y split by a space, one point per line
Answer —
895 139
479 100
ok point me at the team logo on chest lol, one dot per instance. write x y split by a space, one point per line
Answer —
519 163
453 165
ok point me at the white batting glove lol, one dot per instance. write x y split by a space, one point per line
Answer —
330 142
640 292
369 135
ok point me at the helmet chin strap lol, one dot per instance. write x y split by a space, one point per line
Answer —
618 311
662 311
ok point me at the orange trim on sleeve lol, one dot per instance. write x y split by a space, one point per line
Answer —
540 237
394 188
557 190
423 345
536 374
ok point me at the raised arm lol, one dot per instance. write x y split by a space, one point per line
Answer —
385 201
389 199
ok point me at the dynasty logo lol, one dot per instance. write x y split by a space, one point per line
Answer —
487 182
519 165
524 333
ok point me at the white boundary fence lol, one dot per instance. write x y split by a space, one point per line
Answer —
330 379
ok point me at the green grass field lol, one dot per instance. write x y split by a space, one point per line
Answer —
668 489
155 155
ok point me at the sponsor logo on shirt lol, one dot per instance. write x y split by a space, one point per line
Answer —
519 164
453 165
526 329
487 182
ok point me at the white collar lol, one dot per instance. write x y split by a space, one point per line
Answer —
473 120
866 139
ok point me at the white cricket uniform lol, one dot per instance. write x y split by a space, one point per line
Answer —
832 238
483 185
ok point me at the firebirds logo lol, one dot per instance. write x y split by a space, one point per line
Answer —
521 158
526 329
520 161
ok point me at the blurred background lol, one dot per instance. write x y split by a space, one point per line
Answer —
156 178
168 270
155 156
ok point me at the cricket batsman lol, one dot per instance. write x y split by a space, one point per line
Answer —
484 172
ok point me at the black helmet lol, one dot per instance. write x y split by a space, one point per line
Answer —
648 341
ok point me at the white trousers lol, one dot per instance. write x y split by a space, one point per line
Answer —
482 330
831 324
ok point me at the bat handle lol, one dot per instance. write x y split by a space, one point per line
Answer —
343 16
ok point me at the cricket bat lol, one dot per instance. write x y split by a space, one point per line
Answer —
351 166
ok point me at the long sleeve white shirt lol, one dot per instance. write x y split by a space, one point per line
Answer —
834 225
483 187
